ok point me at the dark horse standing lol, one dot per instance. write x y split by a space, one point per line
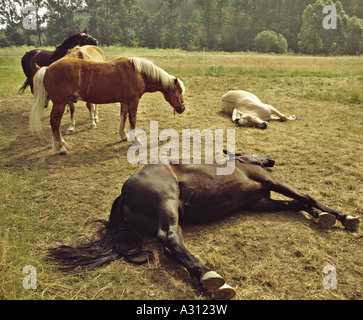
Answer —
44 58
158 197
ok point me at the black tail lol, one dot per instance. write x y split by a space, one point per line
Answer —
24 86
25 63
115 241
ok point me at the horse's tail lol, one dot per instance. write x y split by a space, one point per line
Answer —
115 241
24 86
40 101
26 68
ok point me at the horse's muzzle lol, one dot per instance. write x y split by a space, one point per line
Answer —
181 109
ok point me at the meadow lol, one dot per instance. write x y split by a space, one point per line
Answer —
48 200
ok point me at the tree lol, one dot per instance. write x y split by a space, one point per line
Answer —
269 41
354 42
169 15
61 19
315 38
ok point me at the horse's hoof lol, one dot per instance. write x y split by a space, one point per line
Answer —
63 153
138 143
126 138
327 220
211 280
351 223
225 292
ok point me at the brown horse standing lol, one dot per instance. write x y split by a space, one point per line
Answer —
91 53
123 80
159 197
44 58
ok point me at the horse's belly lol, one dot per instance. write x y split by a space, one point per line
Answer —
206 209
203 214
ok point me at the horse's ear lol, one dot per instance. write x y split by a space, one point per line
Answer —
229 154
179 85
85 30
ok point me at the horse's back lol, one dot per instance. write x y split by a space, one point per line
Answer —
87 52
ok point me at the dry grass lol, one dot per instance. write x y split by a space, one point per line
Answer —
48 200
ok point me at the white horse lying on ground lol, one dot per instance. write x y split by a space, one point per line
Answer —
248 111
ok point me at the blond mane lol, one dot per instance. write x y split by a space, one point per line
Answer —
152 71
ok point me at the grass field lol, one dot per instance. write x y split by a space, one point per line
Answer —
47 200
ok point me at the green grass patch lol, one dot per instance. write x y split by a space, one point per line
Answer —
346 97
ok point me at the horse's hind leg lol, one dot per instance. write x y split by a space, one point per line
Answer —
93 113
55 122
170 236
280 116
72 124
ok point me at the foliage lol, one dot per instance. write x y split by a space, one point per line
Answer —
227 25
270 41
347 38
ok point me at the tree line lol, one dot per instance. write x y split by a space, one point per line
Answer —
228 25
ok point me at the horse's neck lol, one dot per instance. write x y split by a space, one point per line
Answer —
152 86
60 52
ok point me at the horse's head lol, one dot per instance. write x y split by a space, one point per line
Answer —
175 96
246 120
265 162
82 39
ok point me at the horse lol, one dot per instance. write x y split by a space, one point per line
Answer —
159 198
92 53
248 111
44 58
123 80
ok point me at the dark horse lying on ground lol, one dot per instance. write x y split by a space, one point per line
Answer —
158 197
44 58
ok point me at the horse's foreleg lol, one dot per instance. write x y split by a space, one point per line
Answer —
72 124
124 113
133 105
170 236
277 185
55 122
326 220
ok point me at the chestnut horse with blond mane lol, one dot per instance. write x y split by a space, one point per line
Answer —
123 80
91 53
